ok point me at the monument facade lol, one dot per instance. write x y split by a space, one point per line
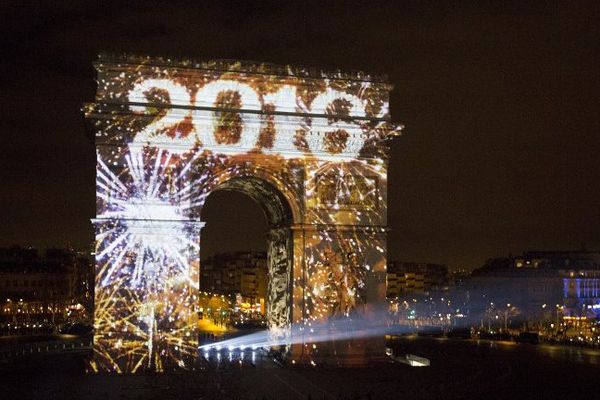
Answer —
310 147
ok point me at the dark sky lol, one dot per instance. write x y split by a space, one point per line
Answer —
500 103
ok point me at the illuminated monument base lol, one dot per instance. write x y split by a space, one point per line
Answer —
310 147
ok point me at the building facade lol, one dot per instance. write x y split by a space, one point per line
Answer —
243 273
41 292
543 285
407 278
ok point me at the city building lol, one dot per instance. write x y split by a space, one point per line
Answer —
581 292
407 278
243 273
39 293
554 292
542 285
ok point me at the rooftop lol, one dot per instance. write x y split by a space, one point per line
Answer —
253 67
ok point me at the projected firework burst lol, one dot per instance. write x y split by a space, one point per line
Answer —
145 256
153 213
169 133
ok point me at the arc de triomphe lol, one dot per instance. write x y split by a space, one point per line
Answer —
310 147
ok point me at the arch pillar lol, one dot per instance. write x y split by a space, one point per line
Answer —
320 252
280 259
145 315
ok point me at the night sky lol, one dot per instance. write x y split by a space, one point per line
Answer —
500 152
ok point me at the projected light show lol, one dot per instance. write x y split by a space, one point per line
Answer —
310 147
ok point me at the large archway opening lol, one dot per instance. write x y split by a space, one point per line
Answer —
246 259
234 222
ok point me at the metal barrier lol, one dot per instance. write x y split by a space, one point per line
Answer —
19 350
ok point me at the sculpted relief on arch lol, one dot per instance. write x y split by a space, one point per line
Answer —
168 133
